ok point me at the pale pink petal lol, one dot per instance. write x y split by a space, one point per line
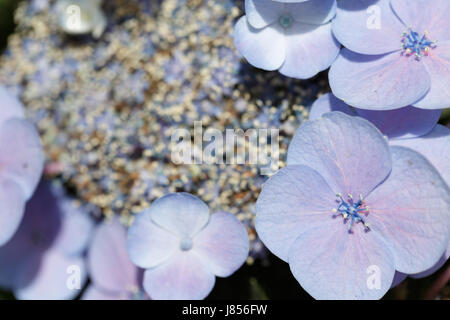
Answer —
411 210
109 265
149 245
293 201
223 244
425 15
368 26
330 263
349 152
385 82
182 277
438 66
21 155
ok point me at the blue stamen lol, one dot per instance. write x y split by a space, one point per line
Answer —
413 44
352 211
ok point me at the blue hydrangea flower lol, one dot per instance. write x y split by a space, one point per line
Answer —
408 127
348 205
21 162
293 38
397 54
183 247
107 252
48 246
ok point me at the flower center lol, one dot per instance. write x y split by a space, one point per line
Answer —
186 244
352 211
414 44
285 21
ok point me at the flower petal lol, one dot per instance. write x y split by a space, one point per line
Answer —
182 277
180 213
312 12
309 50
76 228
438 66
432 270
223 244
47 277
368 26
384 82
436 267
264 48
407 122
148 244
349 152
12 203
21 155
435 146
425 15
328 103
109 264
330 263
292 201
411 209
261 13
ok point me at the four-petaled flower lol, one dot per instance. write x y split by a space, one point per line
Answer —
293 38
396 55
183 247
341 170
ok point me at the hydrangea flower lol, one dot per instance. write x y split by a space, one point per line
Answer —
293 38
113 275
21 160
347 206
47 249
183 247
408 127
397 54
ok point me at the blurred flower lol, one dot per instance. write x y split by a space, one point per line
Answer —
183 247
21 161
44 259
113 275
397 54
408 127
293 38
395 206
